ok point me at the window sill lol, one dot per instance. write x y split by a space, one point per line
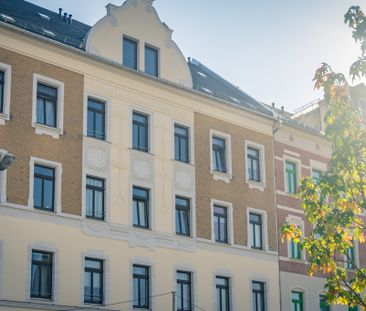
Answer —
3 117
256 185
183 163
41 300
42 129
221 176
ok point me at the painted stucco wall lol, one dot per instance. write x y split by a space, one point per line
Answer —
138 20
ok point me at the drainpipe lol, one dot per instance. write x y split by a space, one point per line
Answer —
277 124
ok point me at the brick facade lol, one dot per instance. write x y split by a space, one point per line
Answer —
19 137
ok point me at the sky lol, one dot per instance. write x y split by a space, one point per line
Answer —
270 49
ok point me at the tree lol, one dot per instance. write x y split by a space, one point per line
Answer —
334 203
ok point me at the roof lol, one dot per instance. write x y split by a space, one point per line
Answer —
44 22
52 25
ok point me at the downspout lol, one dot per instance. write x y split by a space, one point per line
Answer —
277 124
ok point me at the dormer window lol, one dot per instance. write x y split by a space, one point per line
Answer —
151 61
130 53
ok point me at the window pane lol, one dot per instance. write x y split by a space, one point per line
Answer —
130 53
99 125
151 61
37 192
87 285
43 170
142 214
48 194
40 111
47 90
50 113
98 195
94 264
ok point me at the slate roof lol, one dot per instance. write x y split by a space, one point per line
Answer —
26 15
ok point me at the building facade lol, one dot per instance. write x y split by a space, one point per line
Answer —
140 181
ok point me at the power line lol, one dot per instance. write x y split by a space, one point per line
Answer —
116 303
198 307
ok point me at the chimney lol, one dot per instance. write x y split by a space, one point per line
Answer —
65 17
282 109
60 12
273 106
69 20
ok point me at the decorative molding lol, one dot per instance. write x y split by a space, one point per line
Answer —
135 237
111 8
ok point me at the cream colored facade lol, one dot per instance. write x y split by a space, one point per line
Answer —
72 238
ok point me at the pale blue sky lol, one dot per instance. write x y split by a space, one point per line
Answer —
270 49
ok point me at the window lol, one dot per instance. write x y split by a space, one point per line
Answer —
184 291
46 105
41 275
220 224
140 213
181 143
315 174
140 129
297 301
219 154
254 173
93 281
94 198
130 53
350 257
2 90
291 178
352 308
255 223
5 88
258 296
151 61
141 287
182 215
44 187
295 250
96 119
222 294
323 304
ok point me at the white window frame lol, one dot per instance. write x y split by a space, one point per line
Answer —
98 255
230 224
50 248
226 177
148 263
298 172
264 228
106 178
261 185
107 116
58 181
230 276
190 269
148 187
3 177
192 219
301 224
42 129
190 140
149 114
5 115
266 283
